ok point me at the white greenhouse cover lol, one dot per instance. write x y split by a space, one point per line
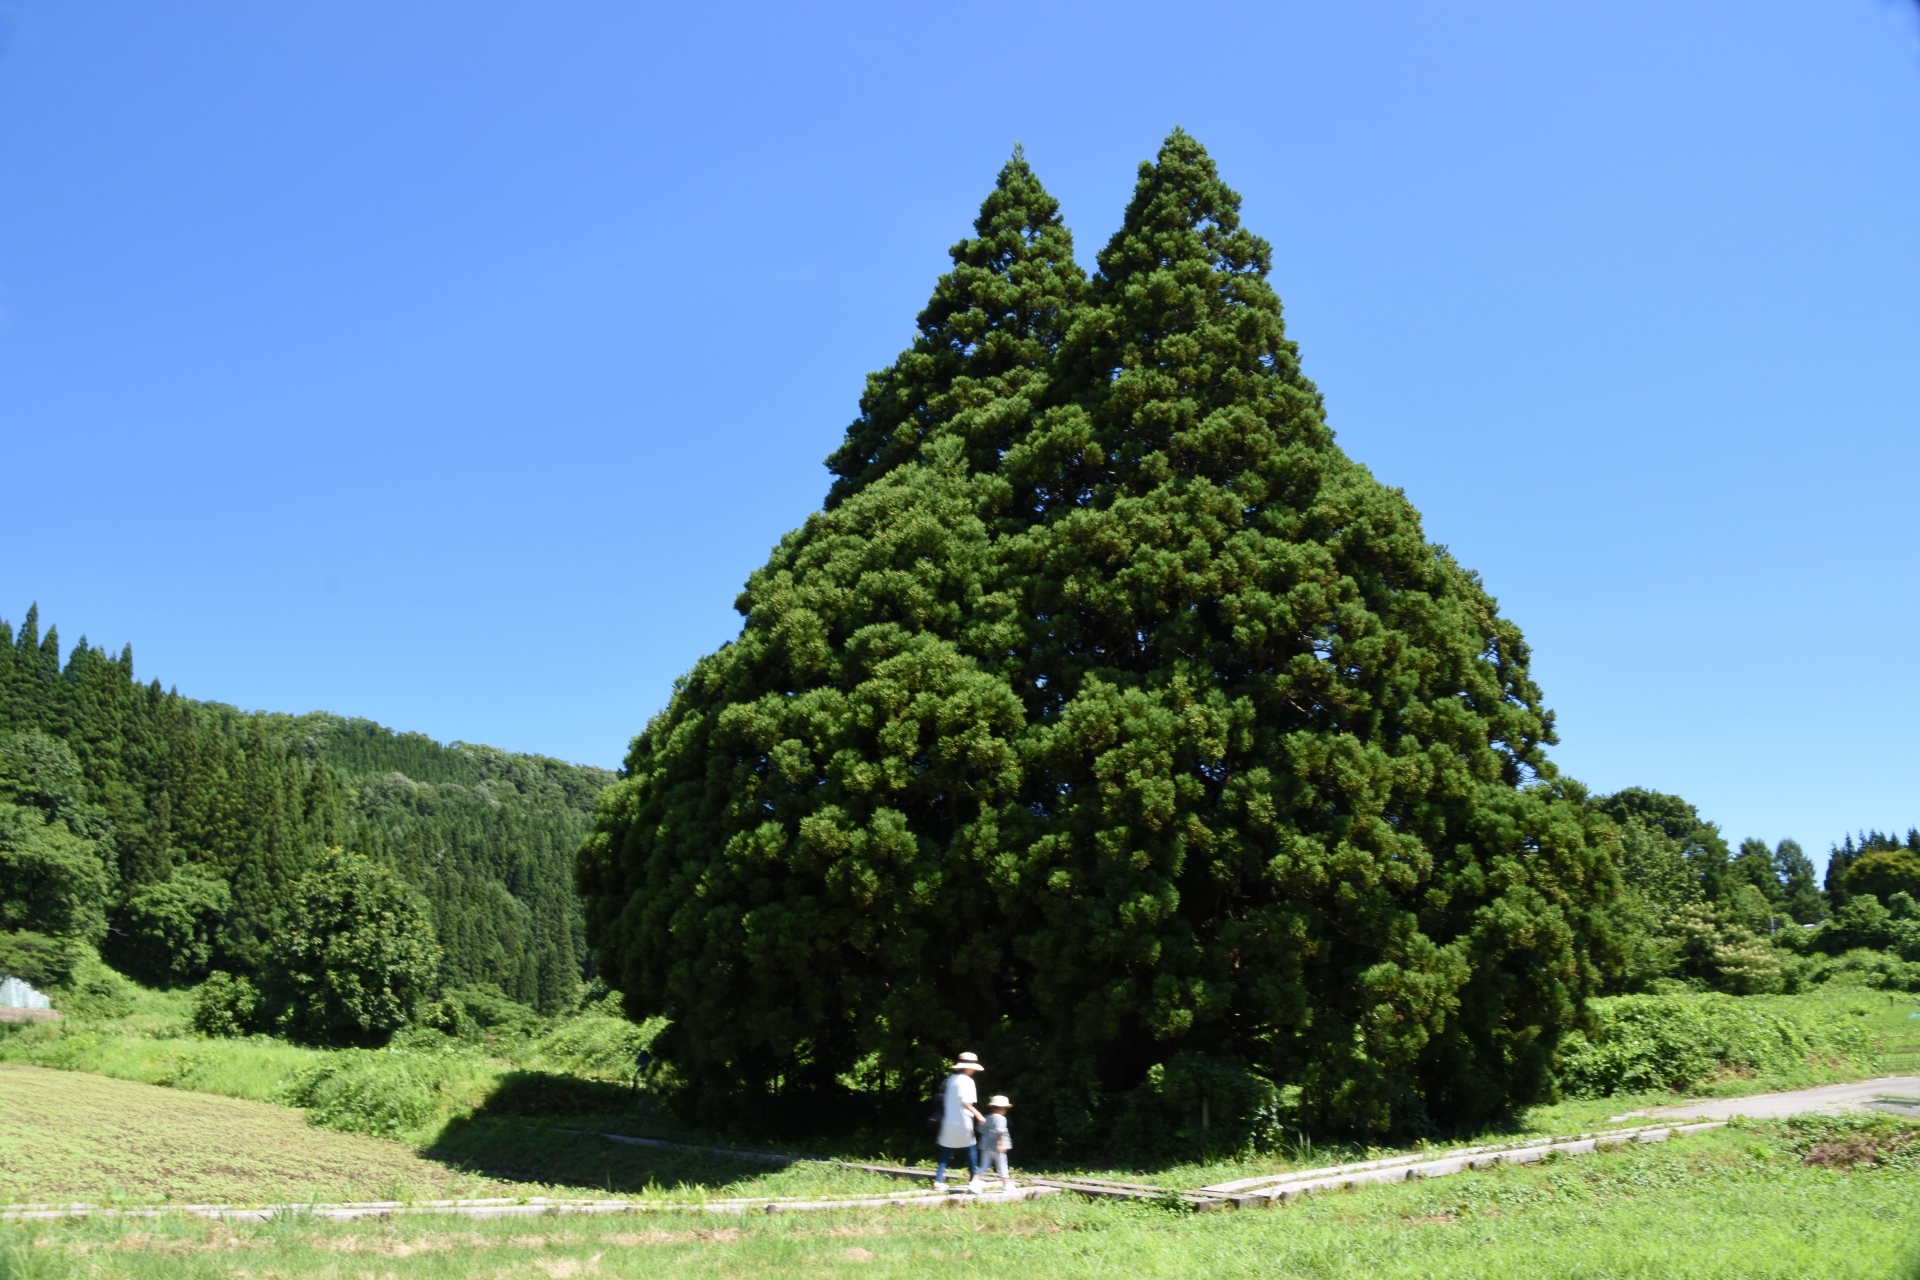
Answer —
15 994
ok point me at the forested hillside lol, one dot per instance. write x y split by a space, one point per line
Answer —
173 830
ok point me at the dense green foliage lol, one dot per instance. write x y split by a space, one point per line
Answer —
173 832
1851 850
383 1094
224 1005
1112 722
1753 922
1644 1043
170 928
354 954
488 837
54 874
1884 872
1691 909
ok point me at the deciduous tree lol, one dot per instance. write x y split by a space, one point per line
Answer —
353 955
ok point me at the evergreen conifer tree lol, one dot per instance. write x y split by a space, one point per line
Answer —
1290 806
1839 858
979 368
1129 732
799 860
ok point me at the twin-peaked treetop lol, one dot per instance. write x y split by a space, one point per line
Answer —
1114 722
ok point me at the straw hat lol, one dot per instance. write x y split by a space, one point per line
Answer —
967 1062
998 1100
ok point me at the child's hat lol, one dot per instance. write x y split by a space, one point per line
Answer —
998 1100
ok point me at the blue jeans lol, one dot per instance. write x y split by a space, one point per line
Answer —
949 1154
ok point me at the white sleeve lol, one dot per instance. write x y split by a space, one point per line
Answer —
968 1094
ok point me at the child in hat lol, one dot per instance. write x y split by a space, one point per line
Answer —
996 1139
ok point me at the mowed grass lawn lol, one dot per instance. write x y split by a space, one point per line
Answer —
1731 1204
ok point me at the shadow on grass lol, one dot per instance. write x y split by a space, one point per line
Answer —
517 1134
520 1134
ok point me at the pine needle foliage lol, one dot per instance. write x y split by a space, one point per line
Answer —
1112 722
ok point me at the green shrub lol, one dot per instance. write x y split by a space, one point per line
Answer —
1878 969
1191 1105
595 1046
51 879
483 1013
366 1091
165 930
224 1005
1903 926
356 953
1676 1042
1862 922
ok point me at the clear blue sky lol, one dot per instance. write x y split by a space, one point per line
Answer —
452 364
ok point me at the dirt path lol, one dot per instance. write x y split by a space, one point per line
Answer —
1830 1098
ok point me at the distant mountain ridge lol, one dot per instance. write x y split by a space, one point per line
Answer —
192 789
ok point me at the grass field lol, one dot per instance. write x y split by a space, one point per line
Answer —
67 1136
141 1111
70 1136
1727 1205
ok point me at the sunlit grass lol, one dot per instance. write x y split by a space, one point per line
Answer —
1729 1205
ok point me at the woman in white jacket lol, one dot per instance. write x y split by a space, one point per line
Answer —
958 1113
